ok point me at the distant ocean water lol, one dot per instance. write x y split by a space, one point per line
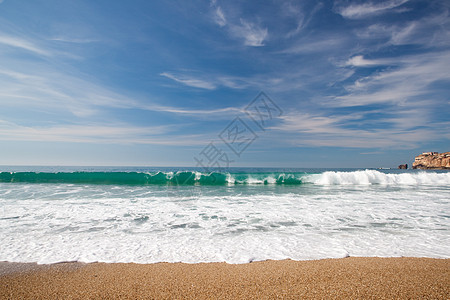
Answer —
146 215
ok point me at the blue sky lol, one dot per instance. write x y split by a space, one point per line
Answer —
152 83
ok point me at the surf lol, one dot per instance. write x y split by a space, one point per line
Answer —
361 177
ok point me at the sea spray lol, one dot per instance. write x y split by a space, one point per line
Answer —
370 177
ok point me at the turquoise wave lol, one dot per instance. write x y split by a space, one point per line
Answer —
158 178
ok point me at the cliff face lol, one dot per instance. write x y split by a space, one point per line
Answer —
432 160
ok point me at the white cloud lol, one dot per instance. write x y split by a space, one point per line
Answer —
252 34
291 10
73 40
219 17
310 123
320 45
401 36
40 88
360 61
409 82
213 81
224 112
33 85
385 139
430 31
22 44
98 134
189 81
357 11
398 131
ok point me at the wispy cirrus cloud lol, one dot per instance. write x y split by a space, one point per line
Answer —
190 81
409 82
33 85
352 131
316 45
357 11
415 32
214 113
37 85
73 40
40 88
360 61
301 16
214 81
23 44
281 81
219 17
291 10
98 133
250 33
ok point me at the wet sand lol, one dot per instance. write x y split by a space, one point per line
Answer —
330 278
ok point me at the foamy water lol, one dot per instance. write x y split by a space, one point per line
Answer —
250 217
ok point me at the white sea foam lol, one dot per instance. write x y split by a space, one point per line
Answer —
364 177
365 213
369 177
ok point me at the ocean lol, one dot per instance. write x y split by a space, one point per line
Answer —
149 215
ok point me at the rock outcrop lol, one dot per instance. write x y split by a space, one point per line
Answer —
405 166
432 160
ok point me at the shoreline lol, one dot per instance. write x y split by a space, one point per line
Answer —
357 277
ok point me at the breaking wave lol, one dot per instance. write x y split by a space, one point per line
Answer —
369 177
363 177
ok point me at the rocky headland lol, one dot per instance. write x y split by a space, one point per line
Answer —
432 161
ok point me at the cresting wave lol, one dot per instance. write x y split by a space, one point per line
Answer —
140 178
366 177
371 177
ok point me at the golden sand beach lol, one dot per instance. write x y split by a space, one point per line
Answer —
353 277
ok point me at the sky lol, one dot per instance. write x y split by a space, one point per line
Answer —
223 83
